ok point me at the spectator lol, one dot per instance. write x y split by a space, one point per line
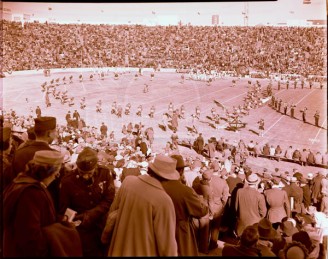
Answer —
89 190
146 212
25 214
250 204
187 205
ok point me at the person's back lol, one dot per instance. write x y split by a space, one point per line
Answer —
187 205
250 204
146 220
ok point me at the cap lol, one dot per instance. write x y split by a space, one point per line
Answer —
48 157
44 123
87 159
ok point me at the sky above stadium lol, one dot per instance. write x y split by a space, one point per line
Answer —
195 13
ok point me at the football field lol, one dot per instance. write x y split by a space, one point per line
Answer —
22 93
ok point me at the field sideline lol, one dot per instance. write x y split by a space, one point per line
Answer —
165 88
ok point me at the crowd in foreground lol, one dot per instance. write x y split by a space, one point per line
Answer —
284 50
122 201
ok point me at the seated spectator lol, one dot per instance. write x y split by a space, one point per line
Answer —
248 246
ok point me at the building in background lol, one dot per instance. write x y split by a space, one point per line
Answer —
215 19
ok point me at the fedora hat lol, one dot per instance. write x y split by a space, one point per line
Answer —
252 179
165 167
265 229
288 228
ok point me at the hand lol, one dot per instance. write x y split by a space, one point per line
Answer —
79 217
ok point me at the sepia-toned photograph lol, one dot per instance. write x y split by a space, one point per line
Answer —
164 129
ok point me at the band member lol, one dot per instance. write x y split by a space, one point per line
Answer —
261 127
114 107
139 110
316 118
71 79
152 111
146 88
81 77
127 109
182 112
82 103
197 112
91 77
98 106
304 114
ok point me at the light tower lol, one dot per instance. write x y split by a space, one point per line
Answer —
245 13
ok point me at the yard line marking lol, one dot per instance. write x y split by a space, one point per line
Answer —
273 124
304 97
83 87
19 95
315 138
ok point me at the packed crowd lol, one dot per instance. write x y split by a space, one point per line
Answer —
118 187
286 50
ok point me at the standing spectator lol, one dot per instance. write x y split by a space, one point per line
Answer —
6 166
89 190
316 118
28 207
38 111
187 205
199 144
45 132
295 195
217 202
277 201
146 212
103 130
68 118
76 116
304 156
250 204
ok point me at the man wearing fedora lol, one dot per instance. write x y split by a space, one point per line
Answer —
89 190
146 219
250 204
188 205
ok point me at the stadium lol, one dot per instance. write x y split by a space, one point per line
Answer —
243 85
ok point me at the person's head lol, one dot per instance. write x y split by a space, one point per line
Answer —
252 180
163 168
180 165
45 128
295 250
87 162
249 237
45 165
304 238
30 133
5 139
